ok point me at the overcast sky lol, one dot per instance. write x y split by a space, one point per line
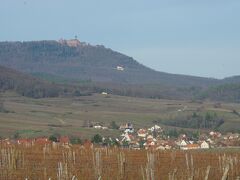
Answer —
196 37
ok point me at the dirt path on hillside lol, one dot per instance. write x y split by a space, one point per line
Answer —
60 120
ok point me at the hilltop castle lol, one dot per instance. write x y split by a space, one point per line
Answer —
72 42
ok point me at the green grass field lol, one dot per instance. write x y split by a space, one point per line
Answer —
42 117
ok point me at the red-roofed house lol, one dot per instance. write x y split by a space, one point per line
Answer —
142 133
42 141
24 141
64 140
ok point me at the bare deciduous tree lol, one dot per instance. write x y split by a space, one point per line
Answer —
1 105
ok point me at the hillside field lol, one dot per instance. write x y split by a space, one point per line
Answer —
68 116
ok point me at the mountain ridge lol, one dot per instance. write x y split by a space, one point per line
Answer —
102 69
90 62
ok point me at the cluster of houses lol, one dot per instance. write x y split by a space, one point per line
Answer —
153 138
146 138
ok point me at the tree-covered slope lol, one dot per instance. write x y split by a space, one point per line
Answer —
102 69
86 62
26 85
224 92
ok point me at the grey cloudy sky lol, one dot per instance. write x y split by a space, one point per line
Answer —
178 36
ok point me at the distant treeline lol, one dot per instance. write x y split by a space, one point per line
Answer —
225 92
29 86
195 121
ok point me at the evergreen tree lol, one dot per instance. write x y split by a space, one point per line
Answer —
97 139
113 125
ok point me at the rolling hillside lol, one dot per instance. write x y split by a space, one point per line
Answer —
26 85
76 60
96 69
30 86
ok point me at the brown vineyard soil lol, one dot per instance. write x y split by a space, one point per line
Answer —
78 162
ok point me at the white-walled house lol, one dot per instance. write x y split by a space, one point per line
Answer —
142 133
155 128
127 128
150 137
127 137
97 127
120 68
204 145
183 143
128 131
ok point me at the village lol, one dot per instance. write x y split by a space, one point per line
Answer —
155 138
144 138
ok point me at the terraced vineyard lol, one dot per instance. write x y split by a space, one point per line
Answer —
79 162
68 116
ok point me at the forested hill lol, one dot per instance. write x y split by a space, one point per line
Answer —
225 92
26 85
76 60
